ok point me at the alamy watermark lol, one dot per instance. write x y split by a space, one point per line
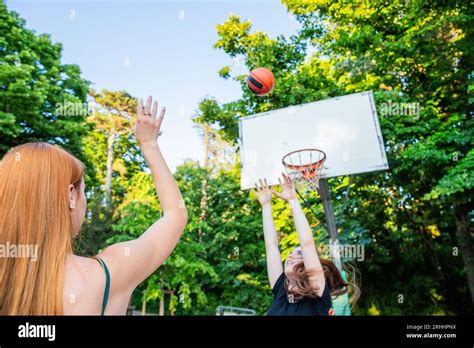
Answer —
392 108
346 251
19 251
73 109
28 330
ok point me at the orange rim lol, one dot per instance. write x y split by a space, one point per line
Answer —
307 170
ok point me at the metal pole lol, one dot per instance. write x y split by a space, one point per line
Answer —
330 222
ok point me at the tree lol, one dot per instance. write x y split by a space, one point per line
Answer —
41 99
405 56
114 159
113 118
423 52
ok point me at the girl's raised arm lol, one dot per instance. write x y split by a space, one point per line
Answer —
133 261
274 264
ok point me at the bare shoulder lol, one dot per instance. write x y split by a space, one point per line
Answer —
84 282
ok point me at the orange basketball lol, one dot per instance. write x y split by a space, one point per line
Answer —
261 81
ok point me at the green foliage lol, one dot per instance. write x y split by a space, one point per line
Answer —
35 85
410 219
220 259
210 112
402 218
111 121
407 53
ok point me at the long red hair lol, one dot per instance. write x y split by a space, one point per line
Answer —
34 210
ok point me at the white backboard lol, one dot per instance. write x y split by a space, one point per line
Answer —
346 128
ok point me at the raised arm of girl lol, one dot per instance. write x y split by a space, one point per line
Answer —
310 255
274 264
133 261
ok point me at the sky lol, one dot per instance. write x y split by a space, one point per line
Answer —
161 48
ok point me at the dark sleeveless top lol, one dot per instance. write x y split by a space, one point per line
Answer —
107 284
320 306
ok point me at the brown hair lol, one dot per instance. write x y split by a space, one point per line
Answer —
34 210
298 284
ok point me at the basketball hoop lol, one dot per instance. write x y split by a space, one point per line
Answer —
305 167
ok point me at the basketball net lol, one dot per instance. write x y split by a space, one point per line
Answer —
305 167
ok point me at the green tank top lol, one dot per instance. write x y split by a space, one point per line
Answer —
107 284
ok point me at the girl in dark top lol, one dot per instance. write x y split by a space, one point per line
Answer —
305 283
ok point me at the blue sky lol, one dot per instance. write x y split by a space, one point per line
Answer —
162 48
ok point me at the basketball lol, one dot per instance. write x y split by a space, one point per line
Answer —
261 81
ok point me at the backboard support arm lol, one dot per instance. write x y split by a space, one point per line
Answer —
325 194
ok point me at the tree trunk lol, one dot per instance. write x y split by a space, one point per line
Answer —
161 311
203 205
204 182
110 161
426 235
464 235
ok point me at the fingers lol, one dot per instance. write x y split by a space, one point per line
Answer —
154 110
290 181
262 185
287 179
148 105
159 119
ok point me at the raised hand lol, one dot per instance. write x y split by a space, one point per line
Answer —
288 190
263 192
147 127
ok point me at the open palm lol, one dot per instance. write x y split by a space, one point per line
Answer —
148 124
288 190
263 192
